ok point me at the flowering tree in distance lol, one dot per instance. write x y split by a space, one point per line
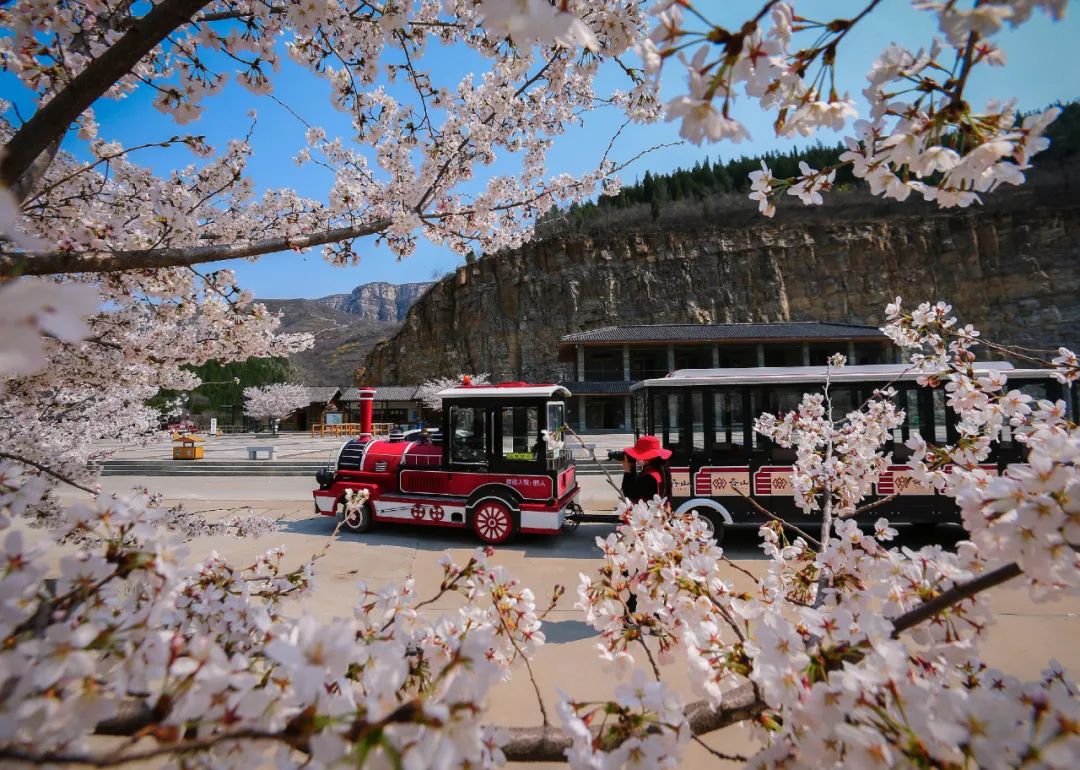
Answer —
428 392
272 402
848 653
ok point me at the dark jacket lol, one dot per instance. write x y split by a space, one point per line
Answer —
647 482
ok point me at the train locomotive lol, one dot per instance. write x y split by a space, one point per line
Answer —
492 468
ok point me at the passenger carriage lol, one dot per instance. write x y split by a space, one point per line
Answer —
705 417
492 471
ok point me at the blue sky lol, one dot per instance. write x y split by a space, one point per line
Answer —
1042 68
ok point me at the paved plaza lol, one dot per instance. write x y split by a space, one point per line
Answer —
1027 635
303 446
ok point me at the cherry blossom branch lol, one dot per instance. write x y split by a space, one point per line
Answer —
162 749
783 522
46 469
954 595
52 120
57 262
871 506
592 456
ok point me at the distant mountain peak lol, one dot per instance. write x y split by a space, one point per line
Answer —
378 300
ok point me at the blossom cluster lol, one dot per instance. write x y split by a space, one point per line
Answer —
1030 515
229 656
279 399
838 460
921 136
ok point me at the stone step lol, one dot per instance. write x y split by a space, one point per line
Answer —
255 468
210 468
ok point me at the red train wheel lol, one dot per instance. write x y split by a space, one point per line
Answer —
418 511
436 513
492 522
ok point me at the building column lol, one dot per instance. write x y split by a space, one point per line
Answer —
851 352
580 363
715 356
626 363
670 358
806 354
628 417
760 350
581 413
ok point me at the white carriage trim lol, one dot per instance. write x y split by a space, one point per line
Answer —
526 391
785 375
402 510
476 504
542 519
704 502
325 502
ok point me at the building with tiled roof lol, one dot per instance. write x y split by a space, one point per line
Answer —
603 363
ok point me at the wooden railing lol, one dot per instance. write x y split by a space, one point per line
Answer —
349 429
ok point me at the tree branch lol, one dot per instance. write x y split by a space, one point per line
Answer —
954 595
550 744
46 469
51 121
55 262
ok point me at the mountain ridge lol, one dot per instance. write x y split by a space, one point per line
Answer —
345 326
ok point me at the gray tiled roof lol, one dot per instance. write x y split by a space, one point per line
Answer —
788 330
383 393
321 394
395 392
595 387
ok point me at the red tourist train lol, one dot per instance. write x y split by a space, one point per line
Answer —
489 469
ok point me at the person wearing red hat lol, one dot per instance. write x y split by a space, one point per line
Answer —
653 478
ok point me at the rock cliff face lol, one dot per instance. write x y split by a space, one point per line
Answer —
379 301
1013 271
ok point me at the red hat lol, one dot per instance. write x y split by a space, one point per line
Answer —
646 448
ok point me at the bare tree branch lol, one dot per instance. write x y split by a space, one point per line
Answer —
55 262
51 121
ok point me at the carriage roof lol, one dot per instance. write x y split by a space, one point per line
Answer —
793 375
506 390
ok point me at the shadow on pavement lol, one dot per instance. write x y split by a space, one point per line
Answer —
580 544
562 631
741 542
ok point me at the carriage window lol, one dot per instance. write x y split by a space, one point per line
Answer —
658 415
844 401
697 417
468 437
756 409
786 400
940 431
674 416
728 420
520 431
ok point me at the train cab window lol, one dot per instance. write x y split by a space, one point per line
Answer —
556 415
468 435
520 432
